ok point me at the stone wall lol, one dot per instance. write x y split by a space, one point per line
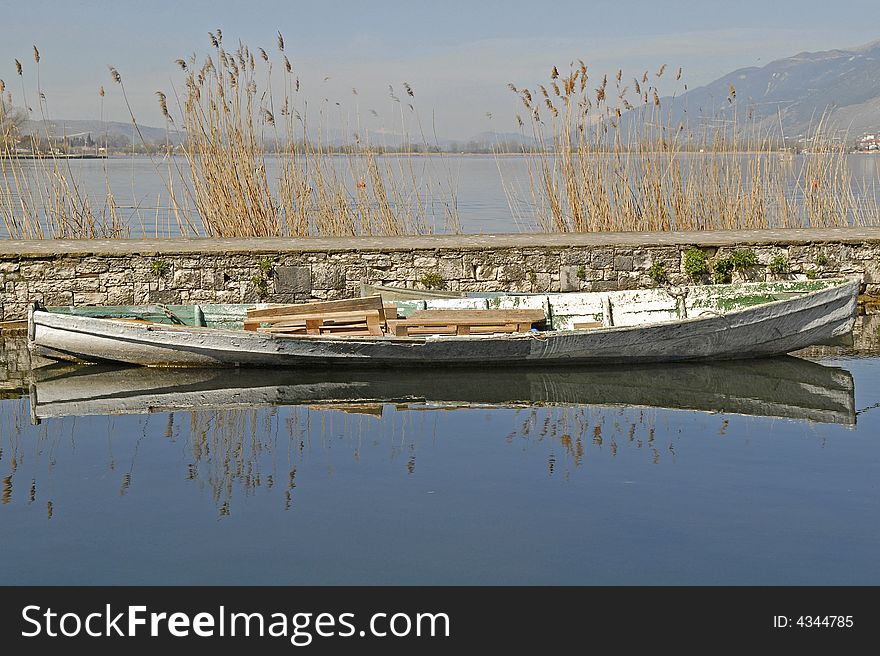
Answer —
237 271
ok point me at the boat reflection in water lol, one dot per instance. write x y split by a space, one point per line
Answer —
785 387
248 431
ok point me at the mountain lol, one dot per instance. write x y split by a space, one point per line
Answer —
114 130
842 85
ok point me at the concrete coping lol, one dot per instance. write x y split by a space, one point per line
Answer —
123 247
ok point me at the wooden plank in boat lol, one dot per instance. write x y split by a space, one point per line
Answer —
401 328
317 307
369 321
332 317
534 315
408 327
403 294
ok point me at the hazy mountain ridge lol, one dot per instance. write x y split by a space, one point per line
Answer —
113 129
841 84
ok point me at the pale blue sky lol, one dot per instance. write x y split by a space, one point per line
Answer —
458 56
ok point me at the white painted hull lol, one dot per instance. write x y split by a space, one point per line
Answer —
773 328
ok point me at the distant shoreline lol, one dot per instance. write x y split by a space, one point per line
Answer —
61 156
271 154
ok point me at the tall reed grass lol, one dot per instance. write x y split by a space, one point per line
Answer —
40 198
608 156
240 118
232 109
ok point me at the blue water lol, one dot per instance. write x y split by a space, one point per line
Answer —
428 494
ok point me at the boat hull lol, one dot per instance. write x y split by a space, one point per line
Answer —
765 330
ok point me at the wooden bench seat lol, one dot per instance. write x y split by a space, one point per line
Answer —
369 316
368 322
351 316
410 327
466 322
316 307
534 315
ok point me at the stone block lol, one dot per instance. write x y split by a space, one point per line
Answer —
542 262
568 277
312 258
22 293
89 284
541 283
228 296
327 276
602 258
93 265
576 256
293 279
642 259
511 272
356 274
165 296
123 295
422 262
58 298
623 262
117 278
451 268
89 298
214 279
485 272
186 279
141 293
629 280
32 270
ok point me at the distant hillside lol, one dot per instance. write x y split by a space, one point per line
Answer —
113 129
120 132
842 84
494 139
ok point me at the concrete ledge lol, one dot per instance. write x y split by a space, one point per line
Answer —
149 247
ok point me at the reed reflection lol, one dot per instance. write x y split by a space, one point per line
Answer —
262 432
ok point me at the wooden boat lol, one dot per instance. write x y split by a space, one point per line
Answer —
711 322
785 387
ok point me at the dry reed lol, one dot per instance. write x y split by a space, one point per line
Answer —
237 129
40 197
230 112
616 160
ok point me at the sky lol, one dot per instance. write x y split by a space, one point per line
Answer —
457 56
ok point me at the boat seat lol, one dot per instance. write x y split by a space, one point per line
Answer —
466 322
365 315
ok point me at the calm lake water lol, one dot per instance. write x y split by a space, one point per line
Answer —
491 193
760 472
